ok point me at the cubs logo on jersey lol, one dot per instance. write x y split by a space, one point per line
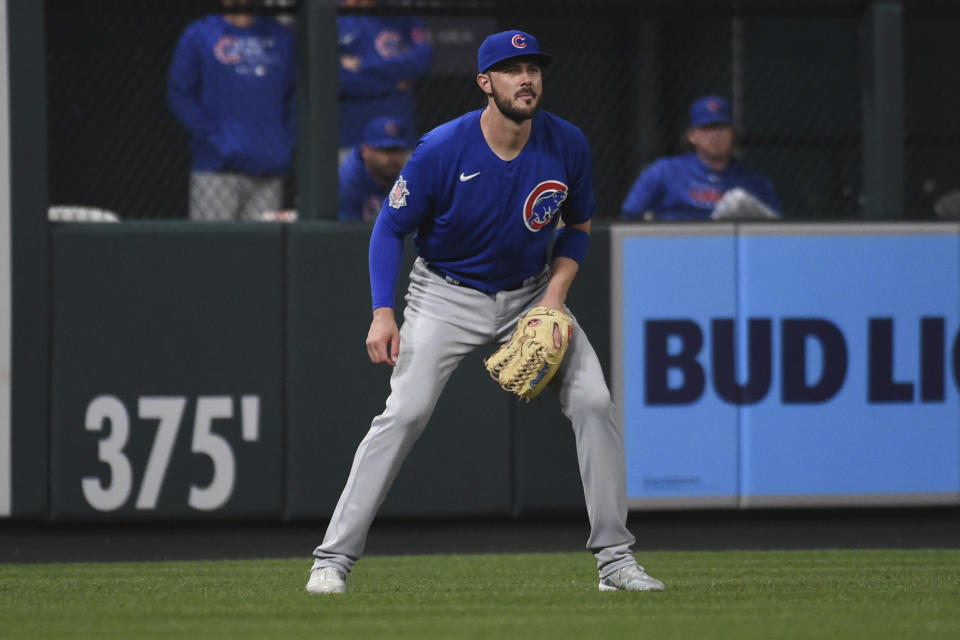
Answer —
543 203
704 197
227 50
389 44
251 55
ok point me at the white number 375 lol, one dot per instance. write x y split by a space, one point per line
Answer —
168 410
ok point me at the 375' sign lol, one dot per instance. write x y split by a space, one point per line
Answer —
106 414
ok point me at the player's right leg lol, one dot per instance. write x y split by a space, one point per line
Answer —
438 330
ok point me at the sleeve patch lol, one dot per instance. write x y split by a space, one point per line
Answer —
399 193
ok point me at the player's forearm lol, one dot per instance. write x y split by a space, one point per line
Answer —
563 272
569 251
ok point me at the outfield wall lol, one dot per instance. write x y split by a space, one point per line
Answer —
218 371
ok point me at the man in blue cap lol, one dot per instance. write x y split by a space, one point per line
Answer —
484 194
707 183
371 168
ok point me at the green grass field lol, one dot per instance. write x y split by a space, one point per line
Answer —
744 594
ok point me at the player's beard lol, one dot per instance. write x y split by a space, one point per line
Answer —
506 105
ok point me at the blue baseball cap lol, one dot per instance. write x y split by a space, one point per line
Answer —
385 133
710 110
509 44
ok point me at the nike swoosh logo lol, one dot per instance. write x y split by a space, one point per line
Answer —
464 178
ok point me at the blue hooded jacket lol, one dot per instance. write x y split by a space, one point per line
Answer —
233 89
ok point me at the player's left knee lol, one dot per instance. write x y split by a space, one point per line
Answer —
595 401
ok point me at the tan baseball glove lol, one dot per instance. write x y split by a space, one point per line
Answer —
525 363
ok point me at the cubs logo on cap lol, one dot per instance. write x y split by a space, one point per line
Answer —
385 133
509 44
710 110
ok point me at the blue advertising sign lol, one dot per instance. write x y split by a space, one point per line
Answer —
772 364
671 288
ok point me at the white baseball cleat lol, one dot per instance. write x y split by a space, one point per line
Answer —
632 578
327 580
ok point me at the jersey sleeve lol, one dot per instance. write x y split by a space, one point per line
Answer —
385 255
643 196
185 82
580 204
361 84
411 199
408 204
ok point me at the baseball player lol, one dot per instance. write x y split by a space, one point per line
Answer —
366 175
707 183
484 194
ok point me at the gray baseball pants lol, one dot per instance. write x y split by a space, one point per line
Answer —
442 323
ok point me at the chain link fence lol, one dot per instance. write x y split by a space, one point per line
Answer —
124 136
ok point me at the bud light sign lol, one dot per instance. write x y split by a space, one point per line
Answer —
773 364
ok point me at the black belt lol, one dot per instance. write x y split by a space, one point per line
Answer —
455 282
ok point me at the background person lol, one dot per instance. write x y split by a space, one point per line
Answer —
231 83
381 57
367 174
707 183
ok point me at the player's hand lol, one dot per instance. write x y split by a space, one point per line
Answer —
383 339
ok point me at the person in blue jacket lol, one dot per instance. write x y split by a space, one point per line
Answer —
381 57
707 183
231 84
371 169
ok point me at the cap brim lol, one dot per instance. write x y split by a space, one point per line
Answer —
386 144
707 123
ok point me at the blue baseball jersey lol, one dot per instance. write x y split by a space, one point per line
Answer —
484 221
393 53
233 89
684 188
360 195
